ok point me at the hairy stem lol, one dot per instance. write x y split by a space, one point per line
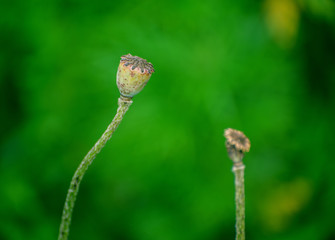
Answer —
124 104
238 170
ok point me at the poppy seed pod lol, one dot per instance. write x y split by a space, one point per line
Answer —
237 144
132 75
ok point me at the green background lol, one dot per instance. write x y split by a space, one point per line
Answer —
266 68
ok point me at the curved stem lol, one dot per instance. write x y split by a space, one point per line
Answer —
238 170
124 104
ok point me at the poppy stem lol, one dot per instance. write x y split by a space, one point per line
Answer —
238 171
124 104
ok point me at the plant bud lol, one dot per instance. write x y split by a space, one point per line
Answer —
132 75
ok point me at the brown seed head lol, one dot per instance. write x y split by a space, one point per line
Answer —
237 139
237 144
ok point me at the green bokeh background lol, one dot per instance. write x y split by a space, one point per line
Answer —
264 67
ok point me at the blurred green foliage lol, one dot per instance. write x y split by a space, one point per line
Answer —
264 67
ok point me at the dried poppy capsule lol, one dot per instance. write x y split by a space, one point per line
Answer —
237 144
132 75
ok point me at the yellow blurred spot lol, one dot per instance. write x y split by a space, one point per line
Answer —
283 203
282 18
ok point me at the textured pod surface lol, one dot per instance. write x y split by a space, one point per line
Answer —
133 74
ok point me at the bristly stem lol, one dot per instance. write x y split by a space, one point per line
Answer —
238 170
124 104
